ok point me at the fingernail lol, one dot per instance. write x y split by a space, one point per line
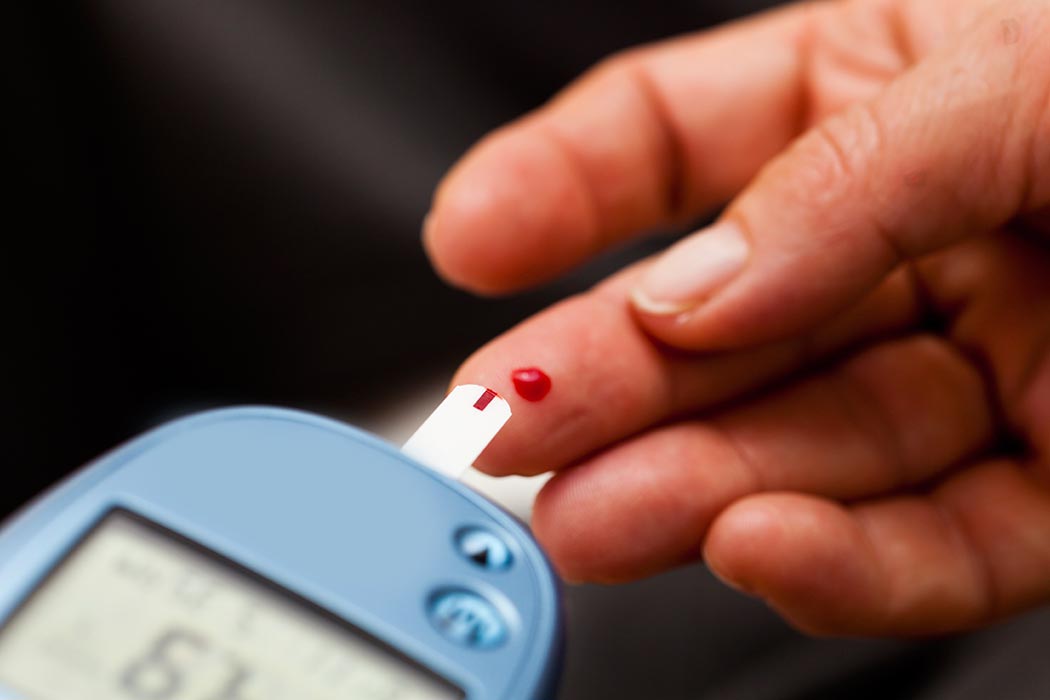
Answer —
692 270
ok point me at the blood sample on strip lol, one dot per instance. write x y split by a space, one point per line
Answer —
485 399
531 383
459 429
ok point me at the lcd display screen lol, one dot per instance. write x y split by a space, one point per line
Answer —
135 612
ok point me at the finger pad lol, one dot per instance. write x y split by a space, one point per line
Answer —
805 556
510 215
639 507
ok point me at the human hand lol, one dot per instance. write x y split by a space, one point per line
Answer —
839 395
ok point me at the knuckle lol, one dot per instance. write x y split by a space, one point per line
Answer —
852 161
832 160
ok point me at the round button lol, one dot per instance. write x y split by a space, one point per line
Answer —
468 619
484 548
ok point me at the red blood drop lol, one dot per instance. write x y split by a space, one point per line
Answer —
531 383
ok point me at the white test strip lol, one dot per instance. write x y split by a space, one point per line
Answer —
459 429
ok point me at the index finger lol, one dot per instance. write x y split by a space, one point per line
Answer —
610 381
648 137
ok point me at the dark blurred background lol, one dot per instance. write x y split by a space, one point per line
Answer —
219 202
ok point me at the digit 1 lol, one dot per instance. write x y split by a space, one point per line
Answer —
234 686
157 676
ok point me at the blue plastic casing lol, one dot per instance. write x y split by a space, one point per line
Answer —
327 512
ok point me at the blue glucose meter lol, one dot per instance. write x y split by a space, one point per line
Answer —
267 554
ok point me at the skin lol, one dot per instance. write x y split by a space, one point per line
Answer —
856 428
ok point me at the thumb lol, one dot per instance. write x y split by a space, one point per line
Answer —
957 146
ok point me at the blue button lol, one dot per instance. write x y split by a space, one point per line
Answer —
468 619
484 548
